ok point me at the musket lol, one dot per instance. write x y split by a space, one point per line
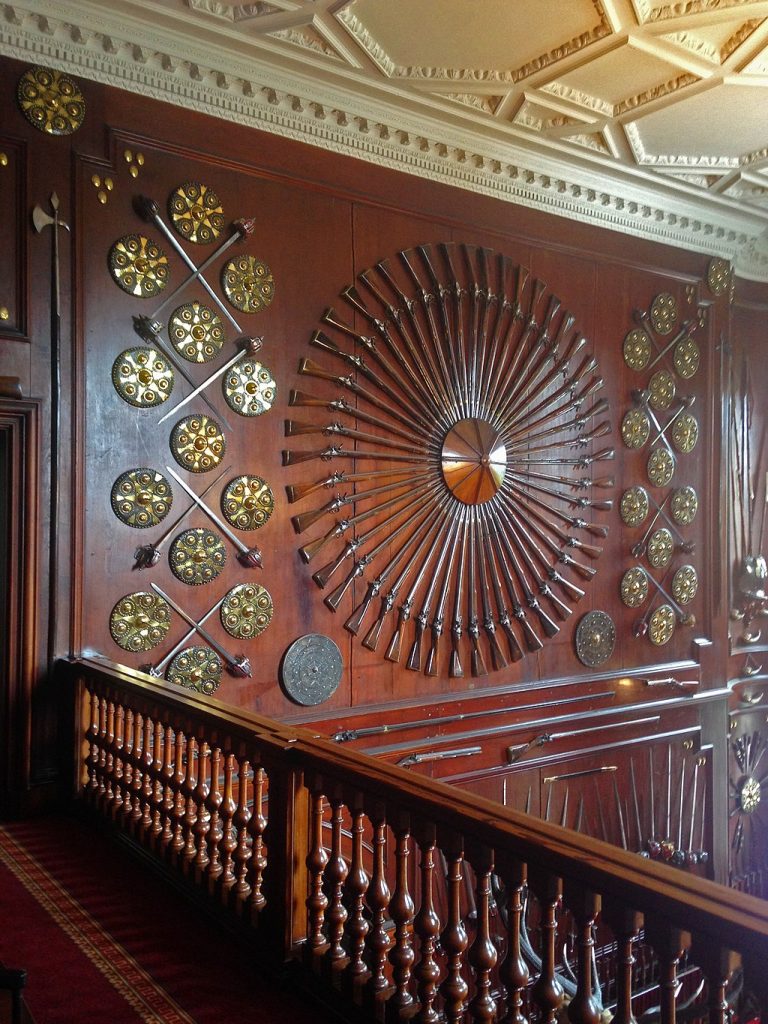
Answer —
473 627
306 519
584 462
338 451
515 521
295 492
587 572
460 353
297 428
248 557
574 482
503 381
596 529
147 555
515 650
549 626
560 426
600 430
420 622
532 641
542 352
525 501
502 337
455 670
528 406
237 665
475 293
157 670
523 495
301 398
497 657
456 358
481 290
436 626
250 349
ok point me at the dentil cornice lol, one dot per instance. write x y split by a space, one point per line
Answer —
296 98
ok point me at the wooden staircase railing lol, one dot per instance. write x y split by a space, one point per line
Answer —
405 898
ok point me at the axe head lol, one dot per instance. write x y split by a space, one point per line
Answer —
41 219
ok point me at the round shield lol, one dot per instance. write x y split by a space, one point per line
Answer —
311 669
595 638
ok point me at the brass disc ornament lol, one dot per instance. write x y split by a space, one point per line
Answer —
138 266
637 349
635 428
685 433
663 388
247 502
685 584
664 313
248 284
141 498
142 377
749 794
196 332
661 625
718 275
196 212
595 638
50 101
249 388
634 506
139 621
660 548
311 669
247 611
684 505
661 467
197 556
634 587
686 358
198 443
196 668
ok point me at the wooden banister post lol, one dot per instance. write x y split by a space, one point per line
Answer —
585 906
355 890
454 941
547 991
482 954
514 970
625 925
426 926
401 955
669 943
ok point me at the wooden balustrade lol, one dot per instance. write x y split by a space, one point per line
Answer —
407 899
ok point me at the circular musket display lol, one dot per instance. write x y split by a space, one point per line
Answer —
139 621
311 669
634 587
635 428
595 638
663 388
139 266
198 443
662 625
685 583
637 349
685 433
684 505
473 461
247 502
249 388
686 358
663 313
247 611
196 332
141 498
661 467
50 101
196 668
718 275
248 284
196 212
634 506
197 556
660 548
142 377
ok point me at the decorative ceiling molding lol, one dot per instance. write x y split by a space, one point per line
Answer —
446 141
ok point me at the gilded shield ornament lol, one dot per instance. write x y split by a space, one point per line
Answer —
197 556
634 587
661 467
749 794
663 313
661 625
595 638
663 388
198 443
196 212
139 621
196 332
686 358
249 388
635 428
247 502
660 548
247 611
248 284
141 498
685 583
139 266
196 668
685 433
634 506
142 377
718 275
637 349
50 101
684 505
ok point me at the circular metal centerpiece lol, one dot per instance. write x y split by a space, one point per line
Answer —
473 461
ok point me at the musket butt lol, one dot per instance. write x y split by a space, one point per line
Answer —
333 600
532 641
414 657
301 522
430 668
393 650
515 650
355 620
371 638
322 576
497 655
478 663
455 670
549 626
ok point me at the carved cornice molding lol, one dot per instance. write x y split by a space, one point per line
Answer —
283 100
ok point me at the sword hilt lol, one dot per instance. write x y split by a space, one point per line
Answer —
146 556
251 559
240 667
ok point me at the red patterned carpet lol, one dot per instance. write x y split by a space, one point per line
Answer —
105 942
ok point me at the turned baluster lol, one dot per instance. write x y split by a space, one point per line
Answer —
482 954
377 941
137 777
102 752
669 944
585 906
181 754
108 797
514 970
354 899
625 925
157 795
547 992
401 908
316 861
167 794
189 787
454 939
426 926
256 827
241 819
336 871
91 759
203 822
228 840
718 965
213 803
118 763
127 759
149 778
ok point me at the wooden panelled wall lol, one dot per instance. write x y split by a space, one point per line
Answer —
321 219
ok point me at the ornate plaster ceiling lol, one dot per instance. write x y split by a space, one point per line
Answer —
645 116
